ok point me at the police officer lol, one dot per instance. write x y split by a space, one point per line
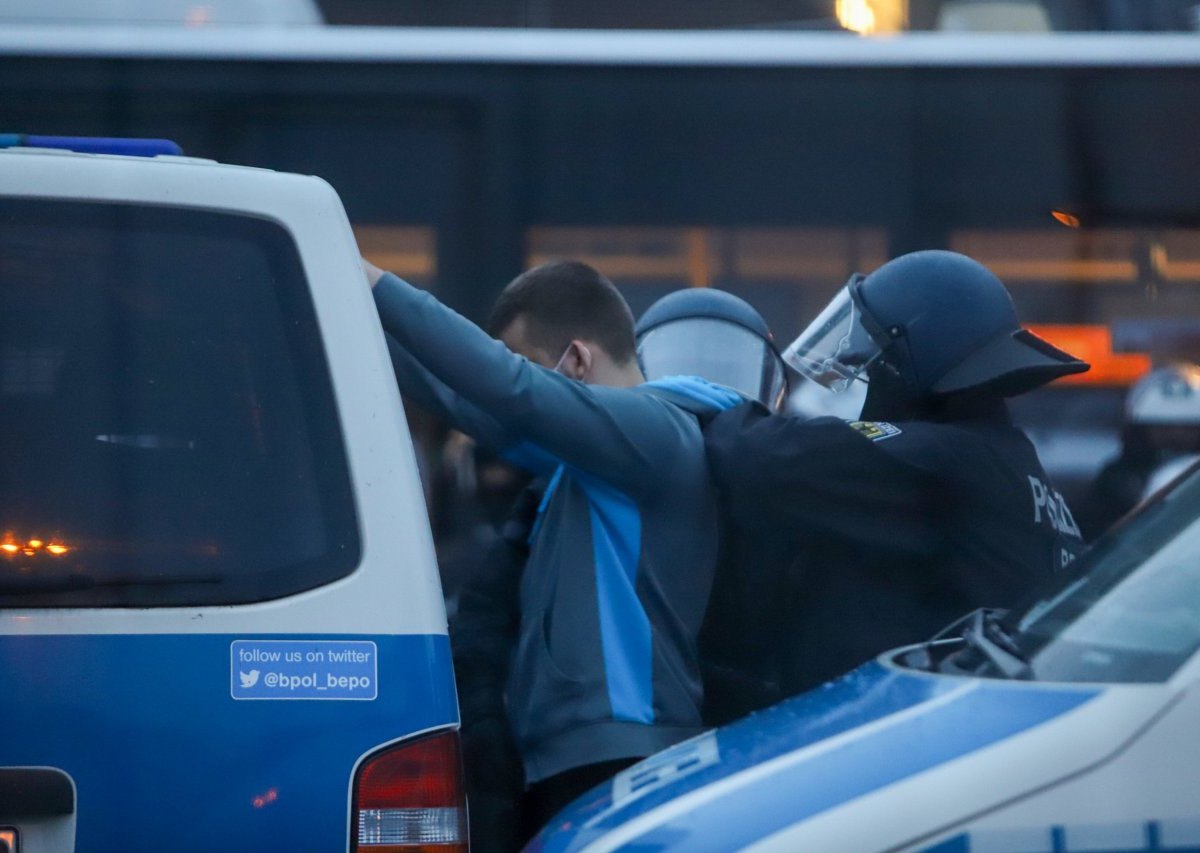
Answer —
714 334
1161 438
879 532
702 331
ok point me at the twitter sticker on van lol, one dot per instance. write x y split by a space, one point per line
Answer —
303 669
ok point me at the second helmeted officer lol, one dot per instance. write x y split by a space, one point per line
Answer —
879 532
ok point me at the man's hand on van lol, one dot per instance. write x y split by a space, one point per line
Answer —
372 272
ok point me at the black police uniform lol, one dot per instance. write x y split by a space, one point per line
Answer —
853 538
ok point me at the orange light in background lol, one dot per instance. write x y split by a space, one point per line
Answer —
1093 344
856 15
32 546
872 17
198 16
1064 218
266 799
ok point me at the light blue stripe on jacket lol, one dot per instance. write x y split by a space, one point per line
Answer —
624 626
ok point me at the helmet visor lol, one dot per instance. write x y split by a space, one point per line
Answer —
721 352
835 349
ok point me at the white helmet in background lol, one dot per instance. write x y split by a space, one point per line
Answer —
1166 396
1164 409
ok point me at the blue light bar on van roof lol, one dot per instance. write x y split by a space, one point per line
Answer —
93 144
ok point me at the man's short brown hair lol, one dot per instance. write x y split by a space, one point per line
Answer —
561 301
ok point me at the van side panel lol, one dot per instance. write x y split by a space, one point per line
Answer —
163 757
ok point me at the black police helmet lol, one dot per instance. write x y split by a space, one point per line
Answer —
702 302
715 335
948 325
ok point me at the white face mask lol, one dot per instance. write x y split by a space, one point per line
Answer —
560 366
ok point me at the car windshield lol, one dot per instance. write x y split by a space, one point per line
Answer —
1130 611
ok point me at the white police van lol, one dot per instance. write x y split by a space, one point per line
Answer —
221 626
1070 725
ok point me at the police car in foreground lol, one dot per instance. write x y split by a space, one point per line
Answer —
221 626
1069 725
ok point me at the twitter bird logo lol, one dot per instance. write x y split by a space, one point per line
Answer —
249 679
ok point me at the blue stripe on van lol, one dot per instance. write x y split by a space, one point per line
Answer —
163 757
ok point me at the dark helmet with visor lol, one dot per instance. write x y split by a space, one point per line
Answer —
716 336
939 321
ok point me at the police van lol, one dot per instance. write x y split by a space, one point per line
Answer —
1067 725
221 625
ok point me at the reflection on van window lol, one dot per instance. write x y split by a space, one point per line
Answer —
166 416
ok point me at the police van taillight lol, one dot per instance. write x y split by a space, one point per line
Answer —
411 799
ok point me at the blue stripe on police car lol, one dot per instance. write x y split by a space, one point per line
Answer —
872 728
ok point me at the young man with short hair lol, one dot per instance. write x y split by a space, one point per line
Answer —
623 548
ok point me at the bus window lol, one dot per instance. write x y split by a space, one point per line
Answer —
409 251
784 272
1071 273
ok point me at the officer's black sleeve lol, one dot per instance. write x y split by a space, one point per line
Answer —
788 477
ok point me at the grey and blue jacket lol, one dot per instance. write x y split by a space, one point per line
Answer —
623 551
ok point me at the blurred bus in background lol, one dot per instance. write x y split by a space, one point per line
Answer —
770 156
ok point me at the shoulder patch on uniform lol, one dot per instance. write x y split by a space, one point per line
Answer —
875 430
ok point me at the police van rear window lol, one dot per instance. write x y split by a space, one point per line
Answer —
168 432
